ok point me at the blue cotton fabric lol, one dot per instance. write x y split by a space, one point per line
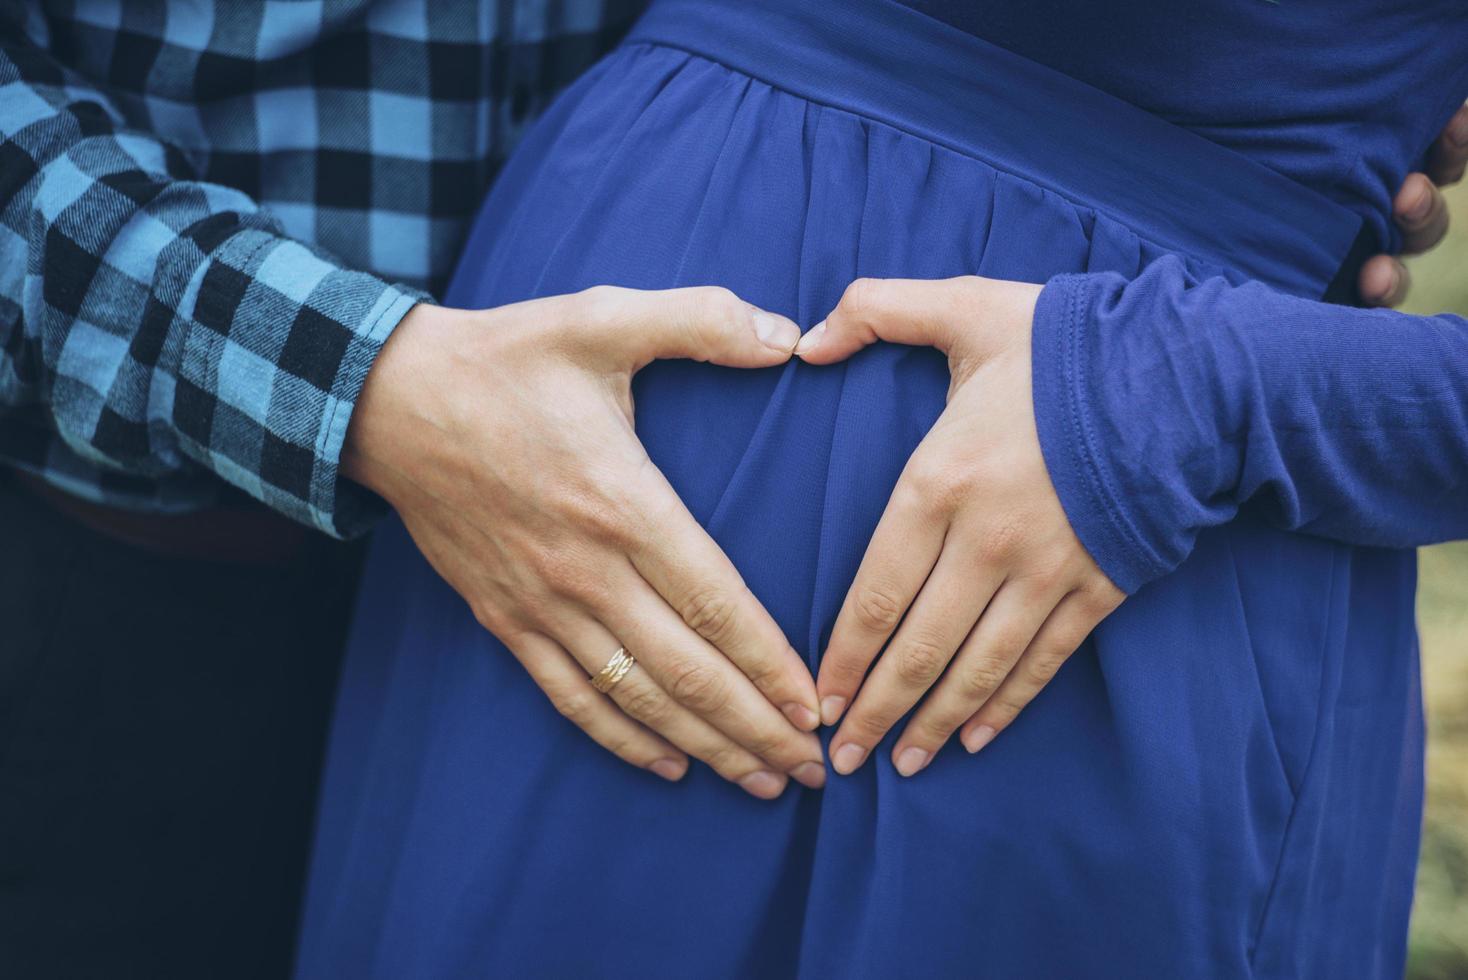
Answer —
1342 96
1349 424
1225 780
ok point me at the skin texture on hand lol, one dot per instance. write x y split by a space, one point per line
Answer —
974 581
1420 212
504 439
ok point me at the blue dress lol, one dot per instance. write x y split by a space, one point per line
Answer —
1225 780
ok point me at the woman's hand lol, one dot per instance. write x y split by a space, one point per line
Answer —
974 566
504 440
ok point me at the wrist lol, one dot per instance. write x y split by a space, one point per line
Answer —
392 397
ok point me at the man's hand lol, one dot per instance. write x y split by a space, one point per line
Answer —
504 439
1420 212
973 565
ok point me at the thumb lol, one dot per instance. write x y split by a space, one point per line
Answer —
921 312
702 323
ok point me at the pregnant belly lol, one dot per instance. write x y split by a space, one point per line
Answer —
1151 783
667 170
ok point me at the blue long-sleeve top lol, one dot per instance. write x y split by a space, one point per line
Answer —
1342 96
1165 404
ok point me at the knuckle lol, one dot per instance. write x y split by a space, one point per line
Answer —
765 744
919 660
482 613
909 497
573 704
711 614
564 575
1007 642
718 302
601 291
1001 541
1004 708
724 759
710 310
846 671
549 564
1101 600
981 679
859 300
870 726
762 673
625 747
538 608
876 608
933 727
618 521
645 704
587 507
488 616
699 686
602 304
1038 671
1048 578
936 486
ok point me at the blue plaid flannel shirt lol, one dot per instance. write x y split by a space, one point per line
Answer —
212 215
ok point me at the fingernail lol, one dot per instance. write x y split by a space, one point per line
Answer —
1394 282
847 758
801 717
911 760
811 340
811 774
669 769
977 737
831 708
775 331
765 785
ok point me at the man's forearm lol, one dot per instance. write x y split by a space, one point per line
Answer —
162 323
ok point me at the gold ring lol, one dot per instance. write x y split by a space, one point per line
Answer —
611 675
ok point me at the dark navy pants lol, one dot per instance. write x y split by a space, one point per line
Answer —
161 725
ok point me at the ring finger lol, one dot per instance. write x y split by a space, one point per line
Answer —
639 696
941 616
981 666
701 679
1064 631
558 674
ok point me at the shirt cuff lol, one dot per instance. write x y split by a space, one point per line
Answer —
1066 417
339 506
279 343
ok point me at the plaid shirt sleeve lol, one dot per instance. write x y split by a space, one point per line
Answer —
161 322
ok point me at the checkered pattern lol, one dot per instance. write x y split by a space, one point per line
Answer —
213 214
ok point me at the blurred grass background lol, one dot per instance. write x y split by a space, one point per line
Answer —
1439 949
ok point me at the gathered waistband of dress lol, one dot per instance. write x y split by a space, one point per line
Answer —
895 65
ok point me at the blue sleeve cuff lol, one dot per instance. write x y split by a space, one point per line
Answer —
1064 415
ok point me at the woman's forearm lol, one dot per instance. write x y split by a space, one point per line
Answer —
1165 404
